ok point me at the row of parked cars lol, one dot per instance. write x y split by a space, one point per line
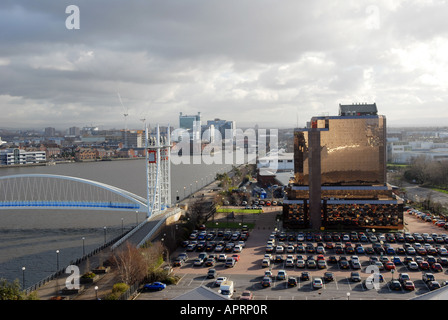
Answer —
214 246
363 237
261 203
428 217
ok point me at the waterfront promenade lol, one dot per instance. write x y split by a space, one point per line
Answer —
52 289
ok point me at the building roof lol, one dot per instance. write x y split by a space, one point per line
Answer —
201 293
439 294
358 109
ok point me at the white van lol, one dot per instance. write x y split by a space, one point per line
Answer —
226 288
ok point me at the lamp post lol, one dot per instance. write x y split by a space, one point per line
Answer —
83 247
122 226
96 292
57 260
104 234
23 278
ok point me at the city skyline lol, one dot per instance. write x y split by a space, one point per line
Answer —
270 63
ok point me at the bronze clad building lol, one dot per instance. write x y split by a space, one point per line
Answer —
340 173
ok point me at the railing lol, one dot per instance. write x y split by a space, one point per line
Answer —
151 233
78 261
88 204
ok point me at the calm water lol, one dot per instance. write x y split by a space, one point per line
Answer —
30 238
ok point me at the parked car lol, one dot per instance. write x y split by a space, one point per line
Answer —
281 275
317 283
154 286
395 285
409 285
211 273
428 277
220 280
246 295
355 277
266 282
305 276
433 285
328 276
292 282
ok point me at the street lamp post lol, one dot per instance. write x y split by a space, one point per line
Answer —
104 234
57 260
23 278
96 292
83 247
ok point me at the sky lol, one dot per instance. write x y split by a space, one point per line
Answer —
275 63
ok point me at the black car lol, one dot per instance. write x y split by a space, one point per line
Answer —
395 285
292 282
278 258
305 276
328 276
344 264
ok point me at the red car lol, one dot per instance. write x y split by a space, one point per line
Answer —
409 285
236 257
423 265
437 267
389 265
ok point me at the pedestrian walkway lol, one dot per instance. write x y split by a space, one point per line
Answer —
52 289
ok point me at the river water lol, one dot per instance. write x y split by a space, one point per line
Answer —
30 238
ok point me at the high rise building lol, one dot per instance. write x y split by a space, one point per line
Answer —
340 173
188 121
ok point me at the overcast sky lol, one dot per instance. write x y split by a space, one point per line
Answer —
275 63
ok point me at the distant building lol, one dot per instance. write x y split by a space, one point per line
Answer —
225 127
19 156
74 131
82 154
187 121
133 138
49 132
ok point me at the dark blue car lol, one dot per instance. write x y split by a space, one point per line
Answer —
154 286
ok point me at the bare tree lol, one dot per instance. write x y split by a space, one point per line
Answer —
130 263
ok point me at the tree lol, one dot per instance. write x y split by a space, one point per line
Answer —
130 264
11 290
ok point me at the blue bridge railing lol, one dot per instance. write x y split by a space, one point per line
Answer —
60 204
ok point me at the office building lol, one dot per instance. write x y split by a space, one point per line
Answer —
19 156
340 173
188 121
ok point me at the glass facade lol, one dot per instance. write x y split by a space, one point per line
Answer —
340 175
352 150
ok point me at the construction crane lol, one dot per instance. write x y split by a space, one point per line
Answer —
125 114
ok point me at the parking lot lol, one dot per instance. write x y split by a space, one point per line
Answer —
370 248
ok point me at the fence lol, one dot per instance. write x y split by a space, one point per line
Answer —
78 261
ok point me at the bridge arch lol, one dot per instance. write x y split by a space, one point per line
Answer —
12 187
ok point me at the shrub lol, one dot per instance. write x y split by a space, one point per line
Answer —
117 290
88 275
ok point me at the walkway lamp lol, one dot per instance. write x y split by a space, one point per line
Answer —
57 260
83 247
23 278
